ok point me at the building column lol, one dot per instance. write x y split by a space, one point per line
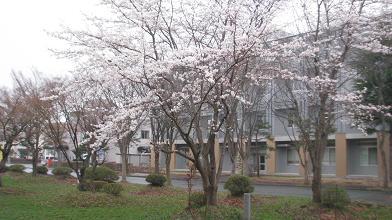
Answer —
341 155
271 157
386 149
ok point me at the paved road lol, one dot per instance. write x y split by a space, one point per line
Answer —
277 190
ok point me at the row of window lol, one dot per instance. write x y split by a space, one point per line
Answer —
368 156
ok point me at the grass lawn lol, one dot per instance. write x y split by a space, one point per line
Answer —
45 197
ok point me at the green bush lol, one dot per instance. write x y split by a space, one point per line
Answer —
18 168
62 171
101 174
197 200
112 188
335 197
93 186
42 170
238 185
84 186
156 179
96 186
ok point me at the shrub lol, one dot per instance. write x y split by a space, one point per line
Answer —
93 186
238 185
84 186
62 171
96 186
197 200
335 197
101 174
18 168
42 170
112 188
156 179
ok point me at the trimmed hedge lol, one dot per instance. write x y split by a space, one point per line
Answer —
17 168
112 188
335 197
42 170
62 171
101 173
156 179
238 185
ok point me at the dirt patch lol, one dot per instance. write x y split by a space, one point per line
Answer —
67 180
232 201
154 191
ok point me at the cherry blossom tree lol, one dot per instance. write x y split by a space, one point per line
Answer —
189 55
315 61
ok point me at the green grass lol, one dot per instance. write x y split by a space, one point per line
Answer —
45 197
25 197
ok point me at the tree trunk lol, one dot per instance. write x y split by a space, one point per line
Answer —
156 160
94 162
380 145
316 181
305 166
123 165
60 159
390 152
306 175
34 162
2 164
211 193
168 171
2 169
257 164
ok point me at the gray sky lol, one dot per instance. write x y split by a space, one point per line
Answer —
23 41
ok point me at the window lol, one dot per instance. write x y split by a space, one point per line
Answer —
292 156
145 134
329 156
262 162
368 156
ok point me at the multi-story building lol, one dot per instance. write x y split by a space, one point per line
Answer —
349 154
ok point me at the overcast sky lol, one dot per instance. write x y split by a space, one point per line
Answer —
23 40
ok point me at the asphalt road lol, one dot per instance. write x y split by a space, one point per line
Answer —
372 196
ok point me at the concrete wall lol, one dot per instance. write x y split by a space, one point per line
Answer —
227 164
281 162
